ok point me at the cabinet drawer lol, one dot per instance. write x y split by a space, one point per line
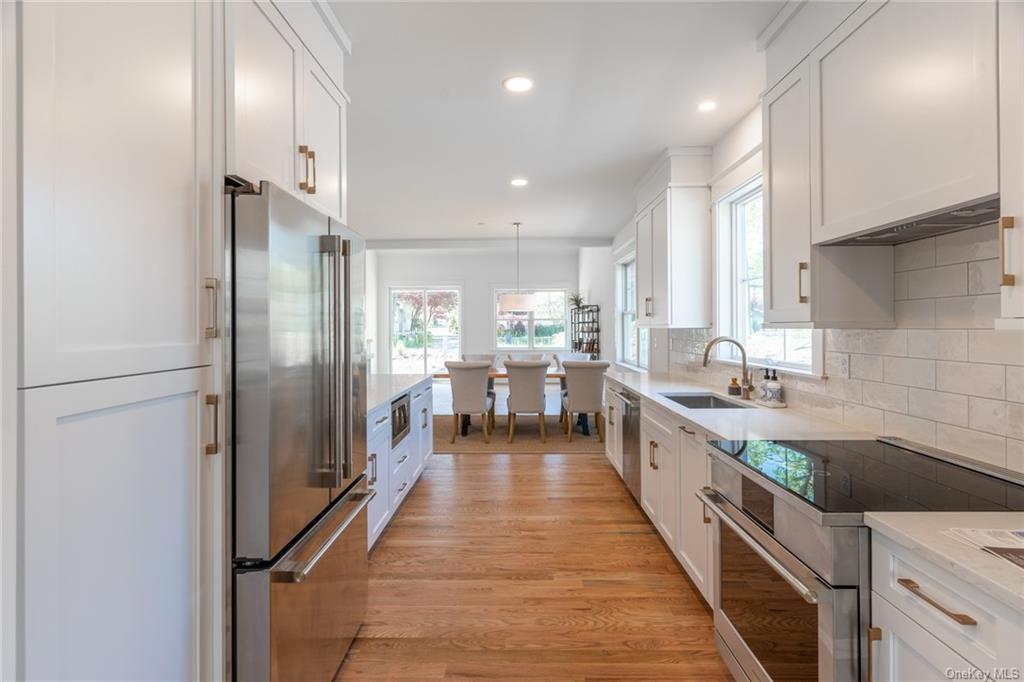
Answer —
378 420
378 461
402 455
922 590
402 476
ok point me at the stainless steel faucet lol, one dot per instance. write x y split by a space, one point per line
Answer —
745 385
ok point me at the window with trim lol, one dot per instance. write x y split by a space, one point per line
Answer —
543 328
633 339
742 289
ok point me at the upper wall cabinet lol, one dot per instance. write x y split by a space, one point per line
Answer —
289 109
904 114
1011 159
805 285
673 258
118 193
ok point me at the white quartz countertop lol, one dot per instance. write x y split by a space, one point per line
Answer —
922 533
382 388
754 422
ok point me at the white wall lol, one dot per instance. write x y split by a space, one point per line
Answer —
597 286
372 298
477 272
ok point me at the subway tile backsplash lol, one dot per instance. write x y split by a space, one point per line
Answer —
943 377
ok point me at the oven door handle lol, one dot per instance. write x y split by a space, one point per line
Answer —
808 595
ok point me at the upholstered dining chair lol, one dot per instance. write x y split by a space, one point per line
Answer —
559 359
527 357
489 357
585 383
470 395
526 392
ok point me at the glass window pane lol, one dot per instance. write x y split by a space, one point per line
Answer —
443 339
643 343
549 333
629 338
549 305
512 333
407 332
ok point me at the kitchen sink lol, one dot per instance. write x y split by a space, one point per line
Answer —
703 401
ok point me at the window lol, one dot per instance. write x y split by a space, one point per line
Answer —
633 340
742 300
424 329
542 328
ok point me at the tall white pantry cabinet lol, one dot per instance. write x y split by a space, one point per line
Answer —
119 122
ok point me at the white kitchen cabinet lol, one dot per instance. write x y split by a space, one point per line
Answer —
694 546
289 112
673 259
904 114
1011 160
378 456
423 423
613 426
118 189
787 190
907 652
659 479
324 116
806 285
111 515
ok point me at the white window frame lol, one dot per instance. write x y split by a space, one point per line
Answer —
387 317
625 305
727 313
497 291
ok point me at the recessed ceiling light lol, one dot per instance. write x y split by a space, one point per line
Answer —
517 84
520 182
706 106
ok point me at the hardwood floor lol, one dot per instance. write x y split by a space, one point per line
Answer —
528 567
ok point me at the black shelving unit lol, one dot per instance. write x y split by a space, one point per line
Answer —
586 330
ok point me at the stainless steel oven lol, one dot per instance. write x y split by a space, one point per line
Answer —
399 419
775 618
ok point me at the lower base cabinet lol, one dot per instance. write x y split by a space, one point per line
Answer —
112 479
694 548
392 471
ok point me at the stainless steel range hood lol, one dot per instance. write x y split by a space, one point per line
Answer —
947 220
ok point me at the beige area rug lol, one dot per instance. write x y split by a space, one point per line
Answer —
527 438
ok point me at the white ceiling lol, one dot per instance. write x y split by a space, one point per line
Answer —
434 139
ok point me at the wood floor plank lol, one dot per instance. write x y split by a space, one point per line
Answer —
528 567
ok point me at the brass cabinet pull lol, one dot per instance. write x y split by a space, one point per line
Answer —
304 150
649 306
915 589
210 284
312 186
654 455
610 410
214 447
688 431
1005 223
800 268
874 635
373 460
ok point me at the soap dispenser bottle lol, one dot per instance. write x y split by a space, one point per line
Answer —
773 392
761 394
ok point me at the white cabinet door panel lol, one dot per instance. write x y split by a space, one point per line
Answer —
644 264
787 209
669 510
378 473
904 115
324 110
1011 155
119 197
648 476
111 527
695 535
267 83
661 279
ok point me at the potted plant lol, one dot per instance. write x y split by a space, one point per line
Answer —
576 300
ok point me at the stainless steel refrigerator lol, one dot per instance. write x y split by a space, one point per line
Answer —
297 413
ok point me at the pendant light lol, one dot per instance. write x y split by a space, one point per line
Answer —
517 302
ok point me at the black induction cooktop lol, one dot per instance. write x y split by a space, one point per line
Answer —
871 475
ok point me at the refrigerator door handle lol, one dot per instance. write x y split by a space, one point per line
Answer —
290 571
343 289
330 246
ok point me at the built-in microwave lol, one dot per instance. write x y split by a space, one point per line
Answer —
399 419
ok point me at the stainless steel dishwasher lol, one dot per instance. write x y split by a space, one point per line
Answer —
630 420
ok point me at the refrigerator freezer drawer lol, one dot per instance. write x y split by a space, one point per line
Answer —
296 619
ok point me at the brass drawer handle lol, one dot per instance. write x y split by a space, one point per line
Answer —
610 410
210 284
654 455
304 150
312 186
649 307
214 447
688 431
800 268
1005 223
874 635
915 589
